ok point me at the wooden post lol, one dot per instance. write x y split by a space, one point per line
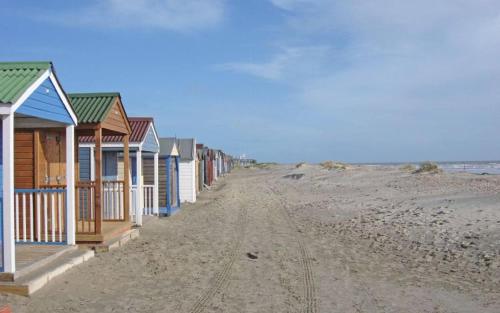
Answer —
92 164
9 247
70 185
36 157
98 180
140 193
126 177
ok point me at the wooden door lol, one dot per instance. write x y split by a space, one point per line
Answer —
51 165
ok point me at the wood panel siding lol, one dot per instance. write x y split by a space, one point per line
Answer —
148 171
24 163
187 180
116 120
162 182
45 103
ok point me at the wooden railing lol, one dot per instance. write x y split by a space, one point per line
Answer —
85 207
112 200
40 215
148 192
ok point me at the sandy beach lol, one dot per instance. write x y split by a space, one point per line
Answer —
366 239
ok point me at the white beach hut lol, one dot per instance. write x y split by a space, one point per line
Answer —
187 169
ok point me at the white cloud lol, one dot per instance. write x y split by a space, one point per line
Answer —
393 55
287 63
174 15
395 79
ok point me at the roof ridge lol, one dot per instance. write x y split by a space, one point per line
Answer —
46 64
137 118
94 94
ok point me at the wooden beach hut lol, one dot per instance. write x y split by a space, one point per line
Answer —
144 155
209 166
37 202
103 201
187 169
200 178
169 200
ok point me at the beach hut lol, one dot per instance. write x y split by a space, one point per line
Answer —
103 200
144 150
200 181
169 200
37 165
209 166
187 169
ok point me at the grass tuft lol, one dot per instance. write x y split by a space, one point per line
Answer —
331 165
427 167
408 168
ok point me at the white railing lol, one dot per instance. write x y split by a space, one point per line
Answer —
40 215
148 196
133 203
148 201
112 200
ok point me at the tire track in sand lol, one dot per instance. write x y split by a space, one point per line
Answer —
310 304
221 278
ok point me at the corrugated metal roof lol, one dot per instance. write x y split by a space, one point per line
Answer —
17 77
92 107
186 148
139 125
166 146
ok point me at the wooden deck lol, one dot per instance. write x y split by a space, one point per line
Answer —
29 256
110 231
38 264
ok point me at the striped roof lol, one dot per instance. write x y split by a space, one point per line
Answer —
17 77
139 125
92 107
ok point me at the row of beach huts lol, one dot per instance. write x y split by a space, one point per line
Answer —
77 170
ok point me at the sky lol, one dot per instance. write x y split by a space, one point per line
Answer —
283 80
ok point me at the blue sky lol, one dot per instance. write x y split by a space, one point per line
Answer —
284 80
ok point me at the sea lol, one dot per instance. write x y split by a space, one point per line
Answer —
474 167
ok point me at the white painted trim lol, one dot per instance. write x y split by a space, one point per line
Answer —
63 97
70 185
140 193
9 247
33 122
156 198
155 135
5 109
109 145
29 91
157 138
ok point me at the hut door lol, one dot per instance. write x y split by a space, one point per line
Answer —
173 185
52 158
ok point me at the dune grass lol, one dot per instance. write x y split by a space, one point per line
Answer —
332 165
408 168
427 167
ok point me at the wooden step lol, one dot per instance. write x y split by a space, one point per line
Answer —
115 242
38 277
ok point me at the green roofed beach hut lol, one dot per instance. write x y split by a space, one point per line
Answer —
103 203
37 202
